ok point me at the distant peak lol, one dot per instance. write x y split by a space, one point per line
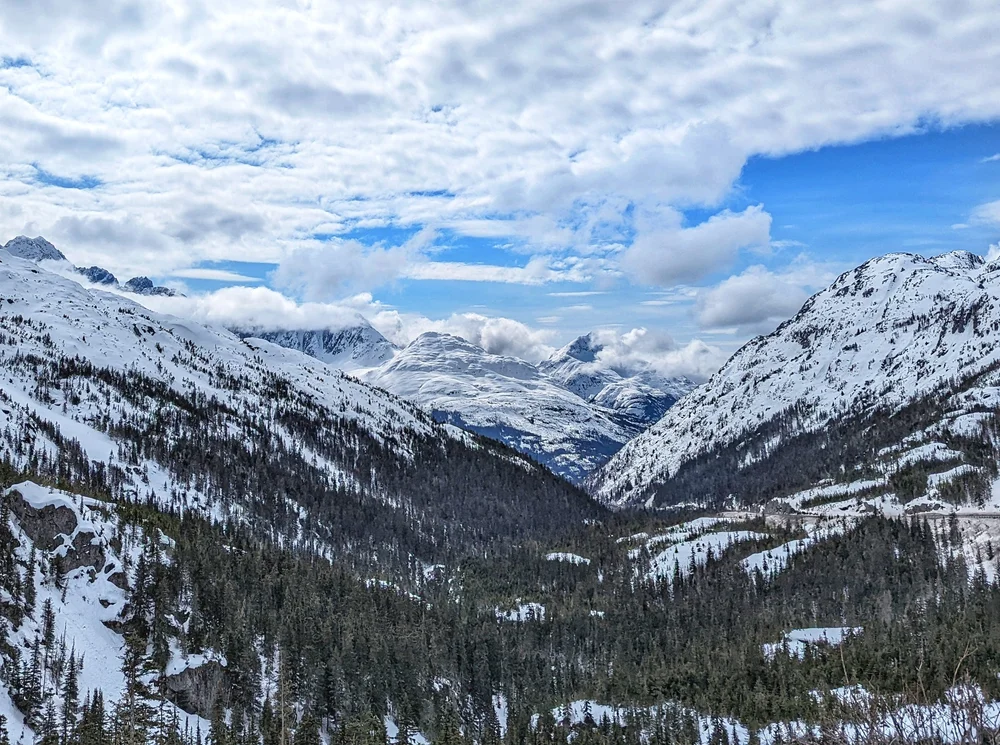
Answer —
33 249
962 261
98 275
584 348
145 286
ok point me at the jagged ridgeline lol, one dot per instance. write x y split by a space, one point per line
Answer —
108 398
884 384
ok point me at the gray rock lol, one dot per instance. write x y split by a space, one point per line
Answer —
778 507
84 552
195 690
45 527
98 275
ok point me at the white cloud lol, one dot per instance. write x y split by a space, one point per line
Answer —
644 349
991 159
988 213
536 272
326 271
216 275
543 122
261 308
494 334
755 299
673 254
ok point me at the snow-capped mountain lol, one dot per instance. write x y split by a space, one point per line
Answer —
570 413
640 393
33 249
140 405
507 399
350 348
39 249
905 349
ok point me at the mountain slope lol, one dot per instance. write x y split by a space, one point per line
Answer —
144 407
350 348
506 399
902 349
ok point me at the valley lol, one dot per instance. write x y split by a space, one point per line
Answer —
213 537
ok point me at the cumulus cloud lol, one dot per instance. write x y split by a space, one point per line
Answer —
328 270
754 299
484 119
261 308
673 254
265 309
646 350
496 335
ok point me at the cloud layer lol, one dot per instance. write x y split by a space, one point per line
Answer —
205 131
596 143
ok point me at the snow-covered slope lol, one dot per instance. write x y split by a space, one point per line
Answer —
80 560
883 337
145 406
350 348
570 413
507 399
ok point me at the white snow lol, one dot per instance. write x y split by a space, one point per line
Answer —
696 551
89 602
523 612
567 557
797 640
774 560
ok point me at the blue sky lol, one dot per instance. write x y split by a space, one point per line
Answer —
680 176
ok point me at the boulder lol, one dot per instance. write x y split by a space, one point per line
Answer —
196 689
45 526
49 528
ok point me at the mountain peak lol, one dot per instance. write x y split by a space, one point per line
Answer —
584 348
352 347
33 249
145 286
885 334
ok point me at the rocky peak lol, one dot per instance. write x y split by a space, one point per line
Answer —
33 249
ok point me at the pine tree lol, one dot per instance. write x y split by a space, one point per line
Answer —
71 697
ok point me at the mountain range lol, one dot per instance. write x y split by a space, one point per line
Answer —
884 385
571 412
39 249
211 537
141 405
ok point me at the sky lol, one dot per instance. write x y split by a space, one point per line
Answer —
679 176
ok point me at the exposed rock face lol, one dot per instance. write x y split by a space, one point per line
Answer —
85 551
145 286
34 249
52 527
195 689
46 526
98 275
